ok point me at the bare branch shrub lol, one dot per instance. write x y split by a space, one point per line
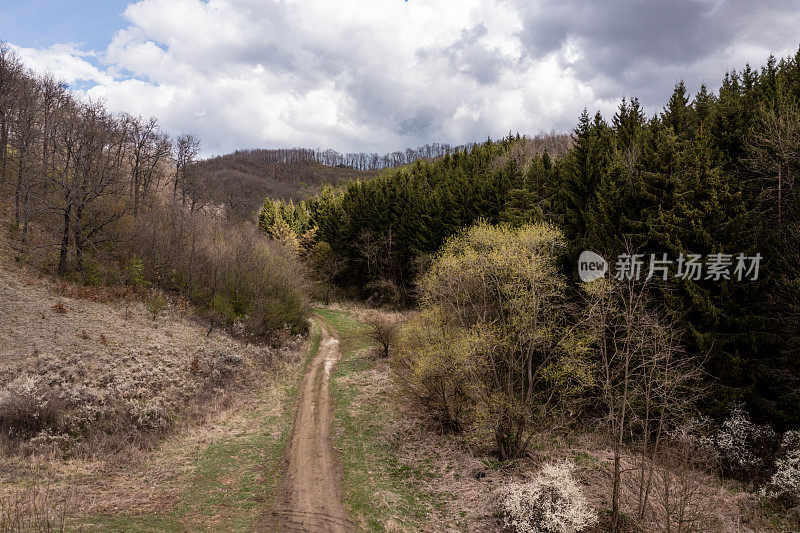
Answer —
28 406
383 330
231 271
683 489
646 381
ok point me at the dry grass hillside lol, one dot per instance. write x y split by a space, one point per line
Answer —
77 373
93 391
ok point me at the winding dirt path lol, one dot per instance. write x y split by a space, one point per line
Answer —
311 492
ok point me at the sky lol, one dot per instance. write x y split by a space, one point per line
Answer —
382 75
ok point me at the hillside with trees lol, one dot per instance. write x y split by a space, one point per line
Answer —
239 181
135 313
685 362
236 182
112 199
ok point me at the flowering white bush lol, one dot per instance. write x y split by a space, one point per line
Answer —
785 482
744 447
551 503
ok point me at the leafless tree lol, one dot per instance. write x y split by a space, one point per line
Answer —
645 378
25 132
10 71
682 489
384 331
773 152
98 177
148 147
186 148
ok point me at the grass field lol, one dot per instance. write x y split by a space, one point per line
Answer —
231 483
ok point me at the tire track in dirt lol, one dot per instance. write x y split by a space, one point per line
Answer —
312 498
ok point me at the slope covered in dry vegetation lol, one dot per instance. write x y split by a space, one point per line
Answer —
112 420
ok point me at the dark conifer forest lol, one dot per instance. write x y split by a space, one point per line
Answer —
712 172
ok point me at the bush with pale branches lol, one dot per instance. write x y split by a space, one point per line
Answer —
785 481
746 448
551 503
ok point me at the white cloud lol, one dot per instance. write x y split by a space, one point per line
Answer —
67 61
352 75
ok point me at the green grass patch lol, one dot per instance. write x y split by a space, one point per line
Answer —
235 481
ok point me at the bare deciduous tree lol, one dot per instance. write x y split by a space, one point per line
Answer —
384 331
645 378
774 152
148 147
187 146
10 71
25 133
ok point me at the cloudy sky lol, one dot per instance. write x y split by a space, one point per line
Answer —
378 75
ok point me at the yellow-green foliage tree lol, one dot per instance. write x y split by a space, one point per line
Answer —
288 223
496 349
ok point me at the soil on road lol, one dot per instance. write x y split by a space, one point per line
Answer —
311 499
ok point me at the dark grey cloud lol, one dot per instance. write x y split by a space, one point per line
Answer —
618 33
469 57
421 122
641 46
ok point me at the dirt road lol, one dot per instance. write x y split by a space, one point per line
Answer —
311 499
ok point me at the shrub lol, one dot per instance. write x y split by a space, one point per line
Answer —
746 449
232 272
27 406
155 304
785 482
682 491
385 291
432 367
135 271
92 273
384 331
551 503
499 340
278 301
147 415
